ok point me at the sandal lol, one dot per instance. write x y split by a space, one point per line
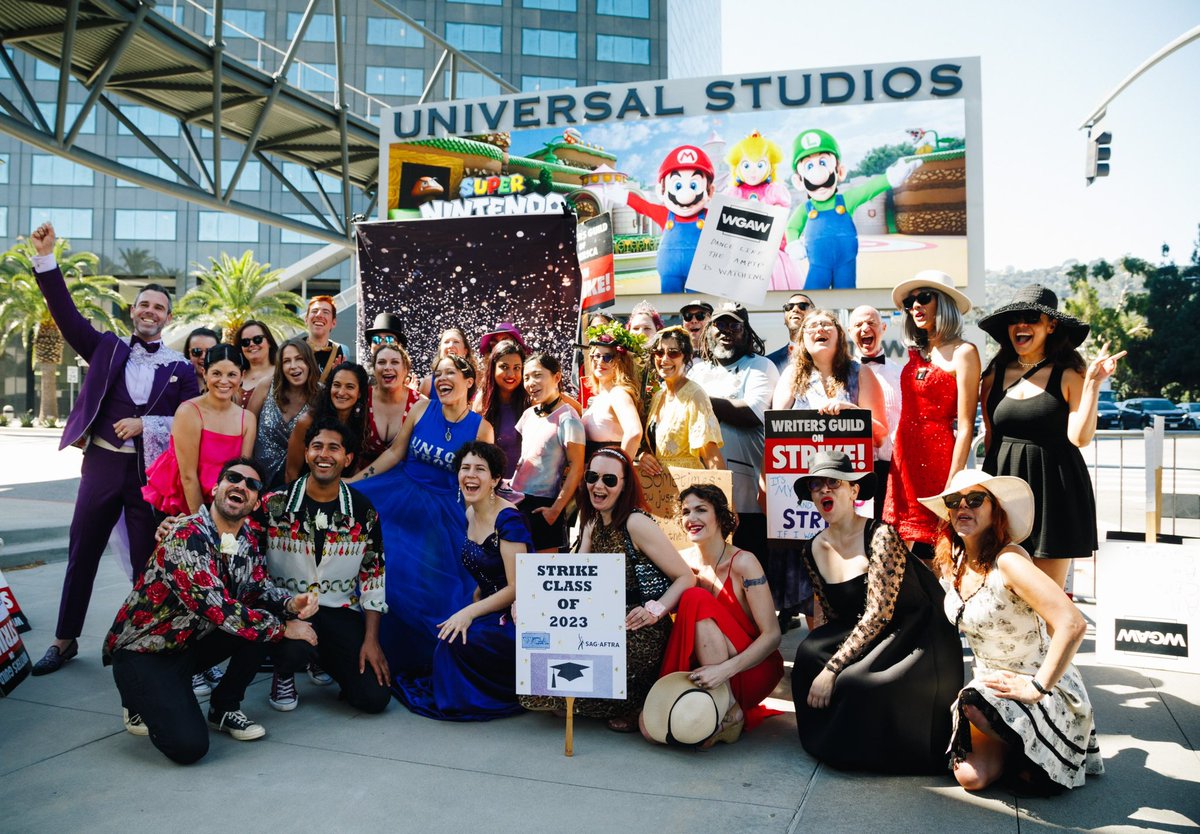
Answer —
622 724
730 730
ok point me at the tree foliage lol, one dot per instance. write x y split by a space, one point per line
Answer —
232 291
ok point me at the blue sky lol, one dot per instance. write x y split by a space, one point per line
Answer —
1044 67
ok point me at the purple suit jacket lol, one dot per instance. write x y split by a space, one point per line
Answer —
106 354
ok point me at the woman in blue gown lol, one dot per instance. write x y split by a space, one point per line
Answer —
474 664
413 486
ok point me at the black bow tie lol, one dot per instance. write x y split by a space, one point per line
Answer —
877 359
149 347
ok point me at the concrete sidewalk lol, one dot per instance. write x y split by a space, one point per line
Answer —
67 764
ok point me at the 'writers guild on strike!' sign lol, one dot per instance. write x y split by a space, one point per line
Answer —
737 249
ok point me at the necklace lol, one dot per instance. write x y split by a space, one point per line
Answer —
1028 365
724 547
543 410
450 424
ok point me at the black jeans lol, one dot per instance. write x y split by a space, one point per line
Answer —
340 633
158 686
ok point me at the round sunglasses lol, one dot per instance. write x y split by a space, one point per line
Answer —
253 340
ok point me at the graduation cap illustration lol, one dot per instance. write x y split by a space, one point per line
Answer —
569 670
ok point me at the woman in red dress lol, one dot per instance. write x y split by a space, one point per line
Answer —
725 628
938 386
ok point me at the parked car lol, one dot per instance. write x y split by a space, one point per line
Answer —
1108 416
1140 411
1191 419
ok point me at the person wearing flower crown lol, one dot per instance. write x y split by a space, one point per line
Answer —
1040 402
613 415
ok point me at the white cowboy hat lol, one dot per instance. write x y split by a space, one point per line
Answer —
1013 495
677 711
933 279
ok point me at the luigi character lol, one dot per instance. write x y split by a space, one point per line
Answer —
685 184
825 218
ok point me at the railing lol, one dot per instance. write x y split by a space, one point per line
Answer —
1117 460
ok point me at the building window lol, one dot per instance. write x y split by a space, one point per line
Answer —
55 170
472 37
395 81
141 224
5 161
70 223
550 5
149 122
473 85
316 78
539 83
239 23
50 111
624 8
3 221
298 176
621 49
549 43
479 2
221 227
288 236
44 72
387 31
251 178
320 28
147 165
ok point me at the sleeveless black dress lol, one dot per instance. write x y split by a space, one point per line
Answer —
1029 441
898 660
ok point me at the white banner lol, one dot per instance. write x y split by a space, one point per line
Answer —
738 247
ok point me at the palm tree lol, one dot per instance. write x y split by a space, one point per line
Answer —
23 309
230 292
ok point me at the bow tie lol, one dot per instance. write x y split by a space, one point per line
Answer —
149 347
877 359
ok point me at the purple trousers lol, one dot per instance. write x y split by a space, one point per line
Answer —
110 482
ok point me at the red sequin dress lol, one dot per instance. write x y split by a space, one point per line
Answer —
924 447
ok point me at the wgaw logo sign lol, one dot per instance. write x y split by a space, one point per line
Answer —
1150 637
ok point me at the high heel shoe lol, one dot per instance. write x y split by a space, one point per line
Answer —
730 730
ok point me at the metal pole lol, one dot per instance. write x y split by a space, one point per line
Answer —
218 47
1180 42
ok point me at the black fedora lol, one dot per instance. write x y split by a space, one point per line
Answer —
834 463
1043 300
389 323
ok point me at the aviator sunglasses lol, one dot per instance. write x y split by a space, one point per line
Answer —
673 353
609 479
974 500
237 477
923 298
255 340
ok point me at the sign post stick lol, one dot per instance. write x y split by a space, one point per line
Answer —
570 749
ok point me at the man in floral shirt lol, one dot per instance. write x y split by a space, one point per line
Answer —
323 536
203 597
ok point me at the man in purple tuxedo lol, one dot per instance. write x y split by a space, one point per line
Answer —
122 420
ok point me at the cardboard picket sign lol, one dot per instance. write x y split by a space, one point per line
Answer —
15 664
8 600
737 250
662 496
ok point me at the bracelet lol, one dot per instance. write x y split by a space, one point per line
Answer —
656 609
1038 686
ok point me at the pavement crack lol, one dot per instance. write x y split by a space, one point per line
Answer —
794 825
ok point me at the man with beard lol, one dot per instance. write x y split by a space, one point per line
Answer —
321 534
831 239
122 419
740 381
866 330
204 597
793 314
685 184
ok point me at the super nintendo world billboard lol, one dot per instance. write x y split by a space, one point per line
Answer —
874 171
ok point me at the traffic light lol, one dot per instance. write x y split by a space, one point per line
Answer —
1098 154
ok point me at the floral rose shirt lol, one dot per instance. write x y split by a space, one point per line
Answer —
198 581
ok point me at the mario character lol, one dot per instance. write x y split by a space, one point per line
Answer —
753 162
685 184
825 219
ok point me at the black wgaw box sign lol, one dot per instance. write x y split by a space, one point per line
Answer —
1151 637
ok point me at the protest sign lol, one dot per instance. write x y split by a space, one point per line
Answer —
9 601
792 438
15 664
662 496
737 250
595 245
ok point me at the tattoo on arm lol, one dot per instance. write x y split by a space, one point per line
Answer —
370 471
750 583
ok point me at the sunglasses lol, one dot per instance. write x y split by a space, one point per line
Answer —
974 500
726 323
673 353
1025 317
601 358
197 352
819 326
797 305
815 484
923 298
383 339
253 340
233 477
609 479
696 315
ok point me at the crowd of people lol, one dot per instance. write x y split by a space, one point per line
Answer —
361 522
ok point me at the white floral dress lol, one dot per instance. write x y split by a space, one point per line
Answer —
1056 734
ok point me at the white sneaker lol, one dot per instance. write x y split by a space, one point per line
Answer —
200 685
237 724
133 724
283 692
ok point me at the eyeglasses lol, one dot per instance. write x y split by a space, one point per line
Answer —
256 340
609 479
1024 317
797 305
383 339
818 326
923 298
601 358
695 315
197 352
234 477
974 500
673 353
815 484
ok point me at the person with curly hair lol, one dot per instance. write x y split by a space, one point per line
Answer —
681 427
345 400
279 403
613 414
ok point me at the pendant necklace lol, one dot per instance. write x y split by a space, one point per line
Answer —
450 424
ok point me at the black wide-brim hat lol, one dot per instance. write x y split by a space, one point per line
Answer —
834 463
1042 299
389 323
